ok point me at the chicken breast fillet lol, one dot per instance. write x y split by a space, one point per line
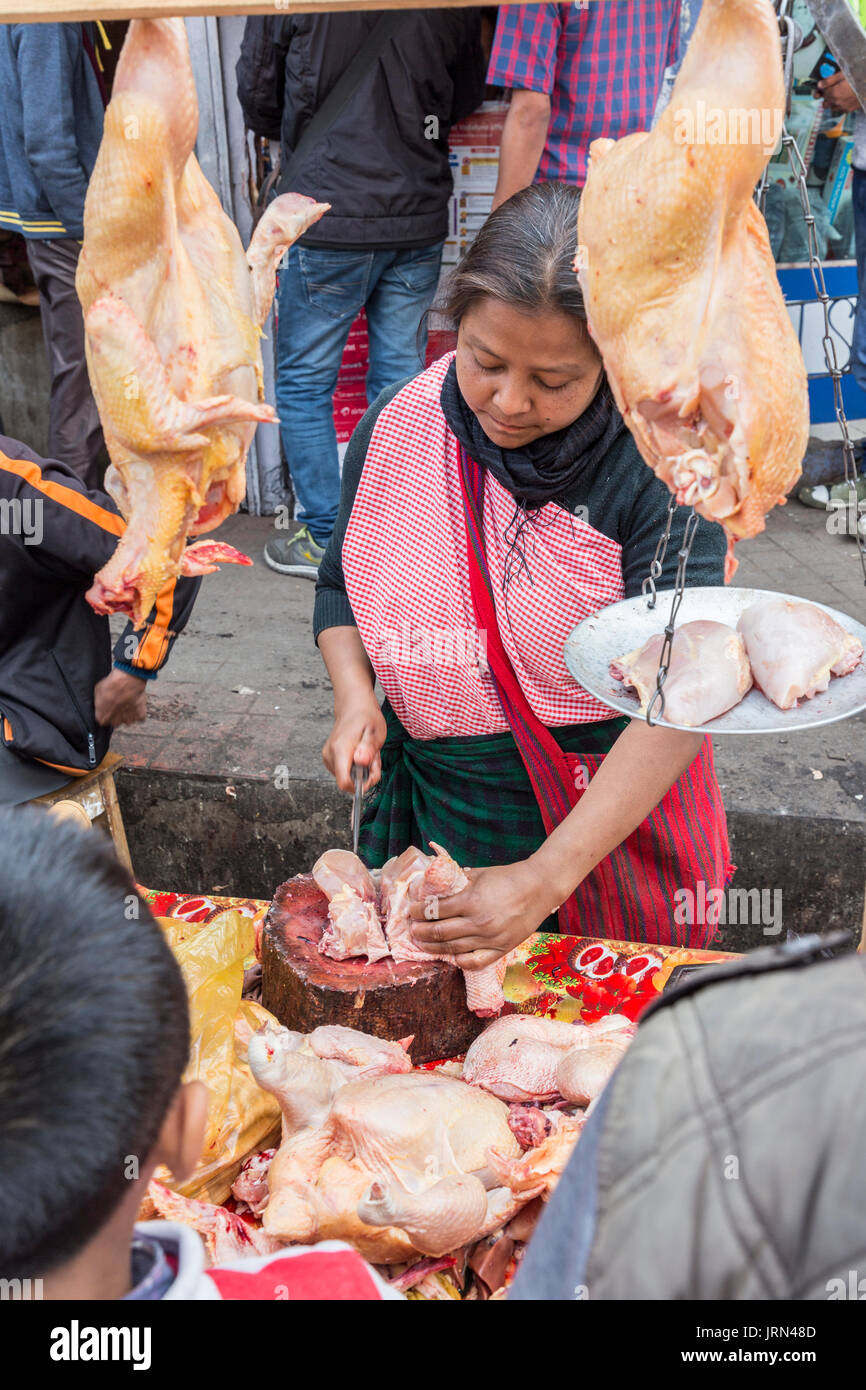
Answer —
794 648
708 672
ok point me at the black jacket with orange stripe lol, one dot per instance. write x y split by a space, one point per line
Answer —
54 535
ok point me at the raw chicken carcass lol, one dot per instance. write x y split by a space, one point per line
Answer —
357 911
338 869
354 927
680 283
395 1164
347 1054
173 313
794 648
416 878
251 1184
518 1057
584 1072
708 672
226 1235
536 1172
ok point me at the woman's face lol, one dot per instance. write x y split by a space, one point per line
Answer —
524 375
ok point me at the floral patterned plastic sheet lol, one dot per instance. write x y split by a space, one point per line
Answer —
567 977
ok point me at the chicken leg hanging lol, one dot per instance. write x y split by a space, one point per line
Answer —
173 313
680 283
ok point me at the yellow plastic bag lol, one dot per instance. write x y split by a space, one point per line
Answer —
242 1118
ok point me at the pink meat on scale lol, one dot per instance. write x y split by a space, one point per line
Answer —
707 675
794 649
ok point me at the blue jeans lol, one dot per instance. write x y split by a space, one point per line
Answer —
858 346
321 294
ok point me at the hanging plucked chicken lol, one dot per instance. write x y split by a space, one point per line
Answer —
173 312
680 282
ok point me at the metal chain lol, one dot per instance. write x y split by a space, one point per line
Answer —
855 507
677 598
788 31
655 571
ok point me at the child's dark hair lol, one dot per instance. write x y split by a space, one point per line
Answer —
523 255
94 1036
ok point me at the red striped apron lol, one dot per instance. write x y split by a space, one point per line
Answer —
631 895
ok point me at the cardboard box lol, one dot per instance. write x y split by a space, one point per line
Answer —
483 127
840 175
349 407
475 203
474 168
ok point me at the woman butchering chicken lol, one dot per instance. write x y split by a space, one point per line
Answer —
488 506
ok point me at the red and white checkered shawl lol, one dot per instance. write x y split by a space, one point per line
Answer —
407 578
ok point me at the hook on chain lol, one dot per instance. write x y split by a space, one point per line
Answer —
683 554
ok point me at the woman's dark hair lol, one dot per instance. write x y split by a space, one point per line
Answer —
94 1036
523 256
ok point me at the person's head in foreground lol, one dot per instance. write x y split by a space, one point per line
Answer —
94 1038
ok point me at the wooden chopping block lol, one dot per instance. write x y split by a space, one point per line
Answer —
387 998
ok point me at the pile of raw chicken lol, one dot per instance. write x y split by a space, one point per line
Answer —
436 1176
370 918
789 650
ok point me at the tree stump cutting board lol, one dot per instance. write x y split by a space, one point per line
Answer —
387 998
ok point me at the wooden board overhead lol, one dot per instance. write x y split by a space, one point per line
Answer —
43 11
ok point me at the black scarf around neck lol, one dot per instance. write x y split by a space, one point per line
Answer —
547 469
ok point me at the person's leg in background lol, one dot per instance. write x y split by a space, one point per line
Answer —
74 432
404 289
321 293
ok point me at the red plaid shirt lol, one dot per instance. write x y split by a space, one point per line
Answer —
601 63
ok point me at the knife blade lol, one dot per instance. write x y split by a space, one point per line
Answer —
358 773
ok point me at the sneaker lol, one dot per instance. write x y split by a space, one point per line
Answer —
298 554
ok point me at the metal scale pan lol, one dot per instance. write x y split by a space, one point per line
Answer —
622 627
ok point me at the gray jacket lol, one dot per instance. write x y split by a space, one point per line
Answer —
725 1158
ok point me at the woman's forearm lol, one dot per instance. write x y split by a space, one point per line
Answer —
348 664
640 768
